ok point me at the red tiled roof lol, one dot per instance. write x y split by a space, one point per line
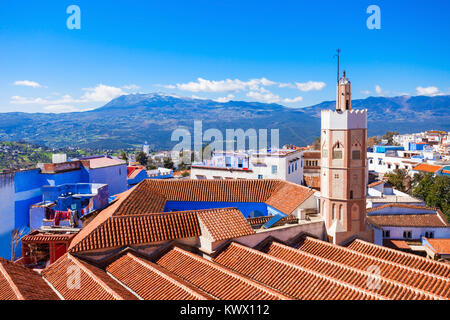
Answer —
152 282
387 289
432 280
220 282
376 183
288 196
141 200
108 229
214 190
37 236
396 244
311 154
294 280
401 205
127 230
409 260
427 167
225 223
407 220
261 220
20 283
439 246
95 284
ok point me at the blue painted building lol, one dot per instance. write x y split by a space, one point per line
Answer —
384 149
21 189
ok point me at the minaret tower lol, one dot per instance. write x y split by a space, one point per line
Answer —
344 168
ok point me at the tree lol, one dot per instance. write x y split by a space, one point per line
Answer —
123 156
435 191
185 174
398 179
168 163
141 157
373 141
389 136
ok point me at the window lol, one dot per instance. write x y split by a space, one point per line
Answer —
274 169
200 177
386 233
289 169
240 162
429 234
351 194
337 154
346 104
407 234
356 155
336 176
260 176
371 161
389 165
295 165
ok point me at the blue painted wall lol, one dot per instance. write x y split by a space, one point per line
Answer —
245 207
114 176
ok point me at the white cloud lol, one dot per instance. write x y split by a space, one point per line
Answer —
286 85
310 86
102 93
293 100
428 91
227 85
27 83
264 95
224 99
366 92
379 91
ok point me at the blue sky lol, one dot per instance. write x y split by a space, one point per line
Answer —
273 51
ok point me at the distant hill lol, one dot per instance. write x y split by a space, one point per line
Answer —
129 120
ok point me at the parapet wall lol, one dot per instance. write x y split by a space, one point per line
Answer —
353 119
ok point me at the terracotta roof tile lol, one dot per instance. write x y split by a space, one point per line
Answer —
141 200
407 220
94 284
386 288
409 260
427 167
127 230
294 280
218 281
439 246
20 283
376 183
215 190
288 196
48 237
152 282
422 280
225 223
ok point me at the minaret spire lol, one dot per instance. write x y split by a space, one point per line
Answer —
338 51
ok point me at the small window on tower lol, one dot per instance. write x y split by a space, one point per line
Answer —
346 104
356 155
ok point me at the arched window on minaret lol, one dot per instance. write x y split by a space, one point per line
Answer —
340 212
334 212
351 194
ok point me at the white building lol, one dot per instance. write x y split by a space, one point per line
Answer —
404 225
283 164
380 193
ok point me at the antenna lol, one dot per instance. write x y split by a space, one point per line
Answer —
337 55
337 80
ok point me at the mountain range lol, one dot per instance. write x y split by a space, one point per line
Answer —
130 120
